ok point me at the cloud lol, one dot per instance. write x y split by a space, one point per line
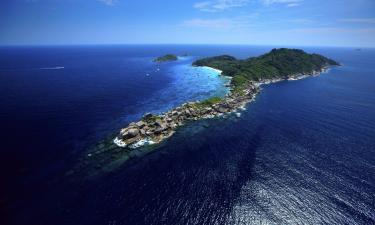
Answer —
208 23
300 21
108 2
336 30
358 20
219 5
288 3
222 23
293 4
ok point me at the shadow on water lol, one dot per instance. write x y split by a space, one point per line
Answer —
193 178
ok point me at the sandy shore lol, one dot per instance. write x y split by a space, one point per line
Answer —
216 70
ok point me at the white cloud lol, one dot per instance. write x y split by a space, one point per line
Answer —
108 2
213 23
359 20
219 5
293 4
300 21
335 30
288 3
222 23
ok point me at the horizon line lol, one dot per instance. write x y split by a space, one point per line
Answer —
192 44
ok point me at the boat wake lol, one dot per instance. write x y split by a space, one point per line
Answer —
53 68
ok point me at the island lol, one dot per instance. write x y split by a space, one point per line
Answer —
247 76
166 58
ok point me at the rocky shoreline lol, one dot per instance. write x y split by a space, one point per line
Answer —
152 129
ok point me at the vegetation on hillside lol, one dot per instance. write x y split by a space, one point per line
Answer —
278 63
209 102
166 58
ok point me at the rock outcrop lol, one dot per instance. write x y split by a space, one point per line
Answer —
155 128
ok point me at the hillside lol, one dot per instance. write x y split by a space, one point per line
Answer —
278 63
166 58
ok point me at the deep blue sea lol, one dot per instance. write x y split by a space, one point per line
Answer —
302 153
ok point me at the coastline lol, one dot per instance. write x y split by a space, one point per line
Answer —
214 69
294 77
153 129
220 73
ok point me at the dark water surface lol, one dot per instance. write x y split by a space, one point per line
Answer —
302 153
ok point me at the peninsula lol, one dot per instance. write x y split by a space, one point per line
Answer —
166 58
247 75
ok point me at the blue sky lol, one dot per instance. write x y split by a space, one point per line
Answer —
258 22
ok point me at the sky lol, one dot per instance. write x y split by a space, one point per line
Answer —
349 23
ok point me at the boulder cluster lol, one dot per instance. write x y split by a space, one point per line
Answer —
155 128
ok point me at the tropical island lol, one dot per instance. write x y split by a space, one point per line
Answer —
247 75
166 58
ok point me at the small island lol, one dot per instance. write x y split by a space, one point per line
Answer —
247 75
166 58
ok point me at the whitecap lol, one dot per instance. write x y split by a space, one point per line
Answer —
119 142
141 143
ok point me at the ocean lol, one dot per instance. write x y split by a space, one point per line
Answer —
302 153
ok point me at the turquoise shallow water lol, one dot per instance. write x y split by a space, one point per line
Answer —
188 83
302 153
